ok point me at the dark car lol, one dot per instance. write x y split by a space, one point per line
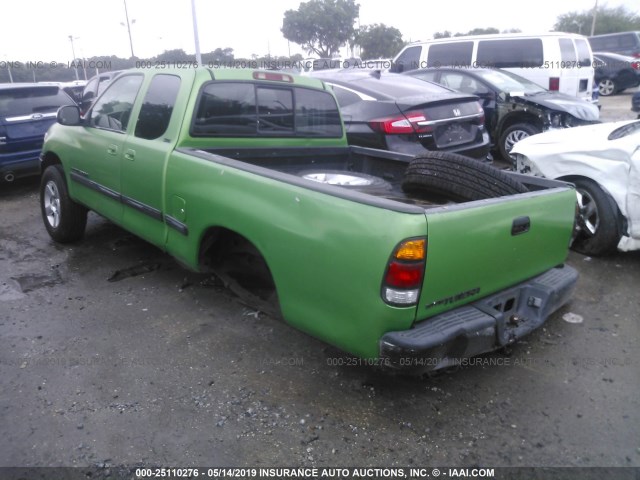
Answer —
27 110
514 107
398 113
94 87
635 103
614 73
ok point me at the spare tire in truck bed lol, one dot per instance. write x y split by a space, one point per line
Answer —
457 178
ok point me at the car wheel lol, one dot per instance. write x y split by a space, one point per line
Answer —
64 219
457 178
607 87
513 135
599 220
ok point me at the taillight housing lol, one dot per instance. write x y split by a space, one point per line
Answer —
635 65
481 112
405 270
554 84
403 124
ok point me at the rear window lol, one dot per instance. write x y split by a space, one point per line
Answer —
584 54
511 53
27 101
450 54
397 86
244 109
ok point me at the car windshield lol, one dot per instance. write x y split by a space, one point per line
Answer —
510 83
27 101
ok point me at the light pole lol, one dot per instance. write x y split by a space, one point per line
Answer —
73 51
128 25
593 22
195 32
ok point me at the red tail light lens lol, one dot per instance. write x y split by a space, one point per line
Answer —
635 65
554 84
404 275
402 124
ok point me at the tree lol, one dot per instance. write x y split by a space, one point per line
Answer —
480 31
379 41
445 34
608 20
321 26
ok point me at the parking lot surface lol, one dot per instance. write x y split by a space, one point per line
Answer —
111 353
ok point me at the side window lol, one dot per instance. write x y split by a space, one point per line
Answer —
456 53
511 53
113 109
317 114
275 110
89 92
157 106
345 97
408 60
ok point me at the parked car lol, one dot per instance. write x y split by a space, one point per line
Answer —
402 114
27 110
623 43
561 62
615 73
635 103
514 107
603 161
94 87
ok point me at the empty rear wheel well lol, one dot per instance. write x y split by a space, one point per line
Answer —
235 259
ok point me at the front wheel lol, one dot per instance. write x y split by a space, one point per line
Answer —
513 135
64 219
599 221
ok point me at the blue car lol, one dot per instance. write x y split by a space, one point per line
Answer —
27 110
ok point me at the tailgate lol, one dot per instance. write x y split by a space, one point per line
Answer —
479 248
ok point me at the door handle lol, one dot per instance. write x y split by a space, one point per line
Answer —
520 225
112 149
130 155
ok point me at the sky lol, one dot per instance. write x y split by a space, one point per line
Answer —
39 30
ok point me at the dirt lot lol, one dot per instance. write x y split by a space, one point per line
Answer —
111 353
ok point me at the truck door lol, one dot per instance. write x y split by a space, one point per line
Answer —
144 157
95 156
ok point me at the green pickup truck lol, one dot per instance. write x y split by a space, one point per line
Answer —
411 263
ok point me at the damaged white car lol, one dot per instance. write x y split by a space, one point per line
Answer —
603 161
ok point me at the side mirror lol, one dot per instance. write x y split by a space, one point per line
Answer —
69 115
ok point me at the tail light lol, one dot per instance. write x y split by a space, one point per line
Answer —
635 65
404 274
405 124
554 84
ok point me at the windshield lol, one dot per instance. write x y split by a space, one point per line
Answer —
508 82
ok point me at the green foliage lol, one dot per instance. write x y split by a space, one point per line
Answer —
321 26
379 41
608 20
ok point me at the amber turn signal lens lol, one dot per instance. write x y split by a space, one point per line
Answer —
412 250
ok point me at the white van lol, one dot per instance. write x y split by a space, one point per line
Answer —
557 61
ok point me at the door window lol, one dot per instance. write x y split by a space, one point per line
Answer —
113 110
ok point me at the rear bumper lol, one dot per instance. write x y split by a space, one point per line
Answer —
488 324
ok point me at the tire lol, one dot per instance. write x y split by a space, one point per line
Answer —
599 225
514 134
607 87
64 219
457 178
